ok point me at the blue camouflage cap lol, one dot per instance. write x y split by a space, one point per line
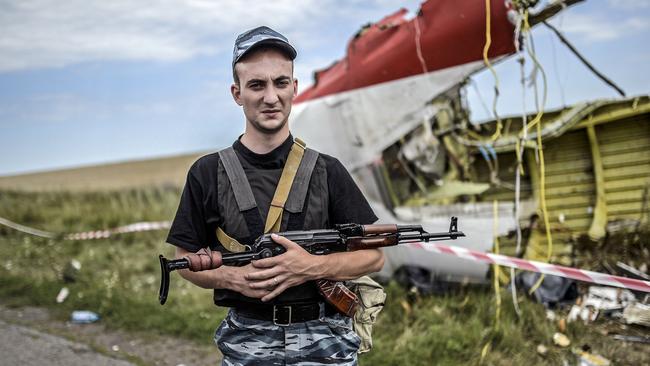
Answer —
261 36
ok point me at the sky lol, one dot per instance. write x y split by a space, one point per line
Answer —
87 82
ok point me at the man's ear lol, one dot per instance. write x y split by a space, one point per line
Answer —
236 93
295 87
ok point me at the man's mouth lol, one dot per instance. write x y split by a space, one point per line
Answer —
270 111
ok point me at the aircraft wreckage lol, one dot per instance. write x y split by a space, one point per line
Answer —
392 110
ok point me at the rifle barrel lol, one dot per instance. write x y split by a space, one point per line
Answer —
410 238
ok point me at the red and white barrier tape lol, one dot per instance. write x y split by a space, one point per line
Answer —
86 235
476 256
131 228
539 267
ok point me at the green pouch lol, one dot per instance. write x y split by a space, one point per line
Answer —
371 300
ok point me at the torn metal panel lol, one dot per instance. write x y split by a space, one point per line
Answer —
356 126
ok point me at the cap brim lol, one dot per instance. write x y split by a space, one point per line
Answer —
285 47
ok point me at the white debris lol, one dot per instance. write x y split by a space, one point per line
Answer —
75 264
561 340
609 297
550 315
637 314
62 295
586 314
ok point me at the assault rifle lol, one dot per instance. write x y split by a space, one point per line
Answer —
346 237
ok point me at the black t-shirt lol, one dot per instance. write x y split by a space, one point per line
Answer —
197 216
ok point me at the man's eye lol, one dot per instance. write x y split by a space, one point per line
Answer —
255 86
283 83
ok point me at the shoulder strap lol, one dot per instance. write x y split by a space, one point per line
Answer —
274 217
243 195
296 200
238 181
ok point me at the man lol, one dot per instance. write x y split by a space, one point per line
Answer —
277 315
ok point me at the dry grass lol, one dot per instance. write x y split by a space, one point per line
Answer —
162 172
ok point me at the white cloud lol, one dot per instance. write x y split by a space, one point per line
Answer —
596 28
630 4
54 108
50 33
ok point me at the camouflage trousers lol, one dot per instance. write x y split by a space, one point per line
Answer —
328 340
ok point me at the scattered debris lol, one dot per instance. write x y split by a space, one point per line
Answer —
585 358
115 348
75 264
629 338
617 226
561 325
542 349
605 298
553 291
62 295
639 274
601 300
71 271
637 313
561 340
84 317
586 314
550 315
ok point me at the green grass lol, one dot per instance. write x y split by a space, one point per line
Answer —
119 276
453 329
119 280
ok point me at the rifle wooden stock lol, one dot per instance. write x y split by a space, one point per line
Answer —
372 242
379 229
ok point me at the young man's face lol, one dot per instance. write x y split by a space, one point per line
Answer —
266 89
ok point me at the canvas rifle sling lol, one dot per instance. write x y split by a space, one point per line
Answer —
293 185
274 217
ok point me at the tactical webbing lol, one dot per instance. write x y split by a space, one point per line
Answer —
274 217
289 194
238 180
300 186
243 195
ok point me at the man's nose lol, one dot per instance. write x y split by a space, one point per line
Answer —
271 95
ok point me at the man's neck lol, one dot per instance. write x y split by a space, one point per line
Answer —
262 143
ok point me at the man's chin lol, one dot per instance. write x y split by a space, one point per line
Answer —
269 127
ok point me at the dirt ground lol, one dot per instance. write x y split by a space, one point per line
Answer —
30 336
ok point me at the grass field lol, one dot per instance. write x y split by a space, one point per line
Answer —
119 279
167 171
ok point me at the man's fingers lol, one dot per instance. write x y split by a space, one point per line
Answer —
262 275
266 262
270 284
274 261
258 294
278 290
286 243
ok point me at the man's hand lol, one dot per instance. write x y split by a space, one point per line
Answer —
292 268
224 277
237 281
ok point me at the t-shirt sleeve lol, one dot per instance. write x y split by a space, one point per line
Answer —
188 229
347 203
